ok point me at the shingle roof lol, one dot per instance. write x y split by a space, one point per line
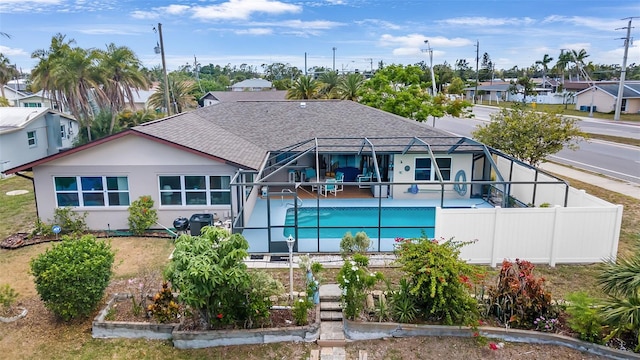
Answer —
267 95
14 118
243 132
252 83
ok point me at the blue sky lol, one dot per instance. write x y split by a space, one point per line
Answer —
255 32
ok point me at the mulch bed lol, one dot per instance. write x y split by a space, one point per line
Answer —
21 239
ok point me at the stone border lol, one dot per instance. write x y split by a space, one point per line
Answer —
23 313
213 338
103 329
355 330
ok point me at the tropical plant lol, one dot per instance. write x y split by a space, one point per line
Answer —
142 215
70 221
8 297
519 297
180 96
301 309
355 280
71 276
328 85
7 72
528 135
620 280
546 60
164 307
303 87
438 279
349 87
403 304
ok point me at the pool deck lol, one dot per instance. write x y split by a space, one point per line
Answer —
258 237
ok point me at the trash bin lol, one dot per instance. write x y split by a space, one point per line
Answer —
198 221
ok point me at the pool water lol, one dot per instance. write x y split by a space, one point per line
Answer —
336 221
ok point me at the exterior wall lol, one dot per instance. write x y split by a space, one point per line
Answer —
428 189
21 102
602 101
142 161
540 235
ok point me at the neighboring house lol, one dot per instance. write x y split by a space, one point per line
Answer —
140 98
252 85
490 92
603 96
272 169
28 134
214 97
13 95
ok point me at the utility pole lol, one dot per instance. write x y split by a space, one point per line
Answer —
623 71
370 63
197 72
433 77
334 58
475 92
305 63
164 71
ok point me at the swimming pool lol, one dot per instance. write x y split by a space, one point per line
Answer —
334 222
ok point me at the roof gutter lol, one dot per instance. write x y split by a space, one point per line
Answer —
33 184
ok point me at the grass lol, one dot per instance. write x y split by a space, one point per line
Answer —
48 339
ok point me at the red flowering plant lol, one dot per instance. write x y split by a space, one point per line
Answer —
142 215
438 279
519 297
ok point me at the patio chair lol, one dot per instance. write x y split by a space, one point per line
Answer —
364 179
339 181
330 187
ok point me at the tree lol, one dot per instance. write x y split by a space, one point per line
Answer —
486 68
72 276
303 87
7 72
180 95
529 136
122 70
463 69
350 86
523 86
564 59
578 60
546 59
327 84
456 86
41 75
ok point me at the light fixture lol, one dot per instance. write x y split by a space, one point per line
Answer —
290 242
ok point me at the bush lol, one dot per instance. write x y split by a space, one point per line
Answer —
519 297
439 281
300 310
71 276
584 317
358 244
355 280
8 297
142 215
70 222
164 308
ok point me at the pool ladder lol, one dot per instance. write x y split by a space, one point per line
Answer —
287 192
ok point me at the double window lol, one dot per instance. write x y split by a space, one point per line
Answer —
32 140
185 190
92 190
424 171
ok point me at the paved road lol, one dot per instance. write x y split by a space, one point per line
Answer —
611 159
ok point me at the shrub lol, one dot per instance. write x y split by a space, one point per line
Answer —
8 297
439 281
355 280
404 307
519 296
71 276
70 222
584 317
354 244
300 310
164 308
142 215
41 228
210 274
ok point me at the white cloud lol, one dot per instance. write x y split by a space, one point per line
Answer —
486 21
243 9
576 46
255 31
589 22
176 9
117 29
7 51
379 24
145 15
416 41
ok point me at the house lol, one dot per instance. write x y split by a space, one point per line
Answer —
603 96
28 134
214 97
252 85
311 171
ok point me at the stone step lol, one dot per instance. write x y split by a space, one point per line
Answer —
331 343
330 306
362 355
315 354
330 315
333 353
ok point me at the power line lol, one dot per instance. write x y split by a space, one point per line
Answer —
623 71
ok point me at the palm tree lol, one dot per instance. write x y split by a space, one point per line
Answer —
327 84
564 59
41 75
180 95
303 87
122 70
7 72
546 59
578 59
349 86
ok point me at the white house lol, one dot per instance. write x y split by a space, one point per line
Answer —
603 96
313 170
252 85
28 134
214 97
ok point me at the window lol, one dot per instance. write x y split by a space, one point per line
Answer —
93 191
30 104
63 132
623 105
186 190
31 139
423 169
